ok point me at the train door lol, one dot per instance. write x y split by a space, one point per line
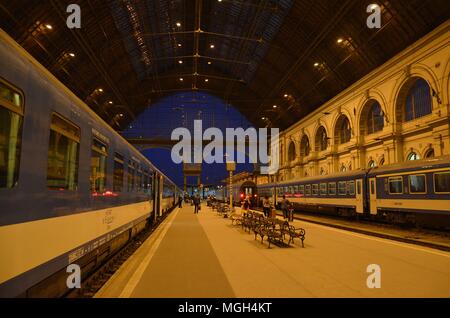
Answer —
373 195
359 197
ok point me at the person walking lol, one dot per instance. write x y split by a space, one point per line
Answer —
285 207
266 206
196 202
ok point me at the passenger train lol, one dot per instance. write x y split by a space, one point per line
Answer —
241 190
413 192
72 190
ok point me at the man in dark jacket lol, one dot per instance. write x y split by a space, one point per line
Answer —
285 205
196 204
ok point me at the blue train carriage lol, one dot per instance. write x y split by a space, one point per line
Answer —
339 194
72 190
169 195
415 192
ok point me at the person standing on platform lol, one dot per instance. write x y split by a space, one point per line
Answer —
196 202
266 206
180 201
285 207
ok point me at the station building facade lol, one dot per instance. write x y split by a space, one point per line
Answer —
398 112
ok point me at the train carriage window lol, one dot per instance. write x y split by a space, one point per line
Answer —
308 189
315 189
295 189
131 176
139 178
63 154
417 184
332 188
342 188
442 182
301 189
351 187
11 120
99 156
323 189
118 173
395 185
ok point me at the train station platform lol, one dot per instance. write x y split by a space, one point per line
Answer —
204 255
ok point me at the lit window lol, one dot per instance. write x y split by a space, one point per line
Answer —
413 156
11 119
63 154
118 173
372 164
99 156
417 184
343 130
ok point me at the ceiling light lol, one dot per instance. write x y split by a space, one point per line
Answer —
274 106
49 26
211 46
100 90
181 79
121 115
179 44
316 64
72 54
206 80
286 95
178 24
180 62
110 102
340 40
209 63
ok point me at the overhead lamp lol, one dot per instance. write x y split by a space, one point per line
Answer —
49 26
180 62
286 95
181 79
120 115
100 90
211 46
206 80
209 62
110 102
72 54
316 64
179 44
178 24
275 106
340 40
263 118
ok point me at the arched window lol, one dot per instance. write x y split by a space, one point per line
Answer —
304 146
343 131
413 156
321 139
375 120
372 164
381 162
343 168
418 100
429 154
291 151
